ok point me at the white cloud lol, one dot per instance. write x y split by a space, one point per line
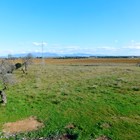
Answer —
107 48
73 47
36 43
40 43
37 50
63 49
134 46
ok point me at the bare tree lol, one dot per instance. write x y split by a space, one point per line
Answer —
9 56
26 62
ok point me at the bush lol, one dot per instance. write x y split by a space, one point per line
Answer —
18 65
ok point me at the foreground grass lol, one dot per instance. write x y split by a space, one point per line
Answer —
95 100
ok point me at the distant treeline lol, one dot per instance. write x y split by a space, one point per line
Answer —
71 57
78 57
115 56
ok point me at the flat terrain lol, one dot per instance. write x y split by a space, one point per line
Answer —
85 61
81 99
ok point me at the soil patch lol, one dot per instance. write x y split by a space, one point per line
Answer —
103 138
25 125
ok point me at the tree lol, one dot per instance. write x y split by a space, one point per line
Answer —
26 62
9 56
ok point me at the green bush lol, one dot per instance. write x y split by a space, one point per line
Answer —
18 65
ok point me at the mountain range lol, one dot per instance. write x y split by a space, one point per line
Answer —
46 54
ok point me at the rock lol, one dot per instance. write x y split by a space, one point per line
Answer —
3 97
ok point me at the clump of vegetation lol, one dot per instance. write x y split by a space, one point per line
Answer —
18 65
136 88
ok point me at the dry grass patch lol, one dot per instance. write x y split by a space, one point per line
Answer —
25 125
103 138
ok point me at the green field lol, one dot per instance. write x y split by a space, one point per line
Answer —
95 100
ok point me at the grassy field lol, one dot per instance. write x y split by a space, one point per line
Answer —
79 99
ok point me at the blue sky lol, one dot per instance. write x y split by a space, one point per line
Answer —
108 27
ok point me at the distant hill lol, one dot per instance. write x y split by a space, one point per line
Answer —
55 55
46 54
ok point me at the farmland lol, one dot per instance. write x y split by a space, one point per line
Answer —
83 99
85 61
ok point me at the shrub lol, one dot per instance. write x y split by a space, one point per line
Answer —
18 65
